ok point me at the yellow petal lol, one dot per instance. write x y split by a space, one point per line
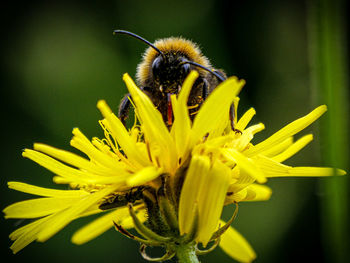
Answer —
247 135
241 182
272 168
57 167
245 164
236 197
257 192
112 141
121 135
73 212
211 199
153 126
26 228
278 148
287 131
314 171
294 148
215 109
67 157
222 126
182 124
190 190
38 207
99 226
236 246
143 176
245 119
83 144
36 190
72 175
68 173
28 233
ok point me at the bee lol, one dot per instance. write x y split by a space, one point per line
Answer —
162 71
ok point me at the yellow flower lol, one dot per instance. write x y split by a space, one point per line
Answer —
181 178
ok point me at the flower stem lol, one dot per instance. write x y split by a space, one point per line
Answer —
329 75
186 253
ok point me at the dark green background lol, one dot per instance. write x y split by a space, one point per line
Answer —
60 57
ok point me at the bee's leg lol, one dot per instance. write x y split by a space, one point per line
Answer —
198 95
205 89
232 119
232 116
124 107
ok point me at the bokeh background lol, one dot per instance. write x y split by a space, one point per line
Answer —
60 57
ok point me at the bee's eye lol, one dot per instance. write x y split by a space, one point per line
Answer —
156 65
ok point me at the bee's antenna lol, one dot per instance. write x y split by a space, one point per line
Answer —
139 38
221 78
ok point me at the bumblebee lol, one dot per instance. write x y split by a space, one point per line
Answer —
162 71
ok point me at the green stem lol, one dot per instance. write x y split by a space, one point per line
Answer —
186 253
327 42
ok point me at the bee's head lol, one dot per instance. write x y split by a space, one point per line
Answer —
167 62
169 71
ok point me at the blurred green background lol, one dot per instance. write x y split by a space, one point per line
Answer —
60 57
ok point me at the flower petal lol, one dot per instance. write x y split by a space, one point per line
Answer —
245 119
211 199
257 192
314 171
244 163
236 197
189 195
83 144
122 136
38 207
247 135
67 157
182 124
71 174
287 131
153 126
143 176
236 246
272 168
41 191
72 213
57 167
278 148
294 148
27 234
101 225
215 109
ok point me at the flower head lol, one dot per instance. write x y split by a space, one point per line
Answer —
170 185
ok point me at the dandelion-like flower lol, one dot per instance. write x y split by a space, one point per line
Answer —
170 185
